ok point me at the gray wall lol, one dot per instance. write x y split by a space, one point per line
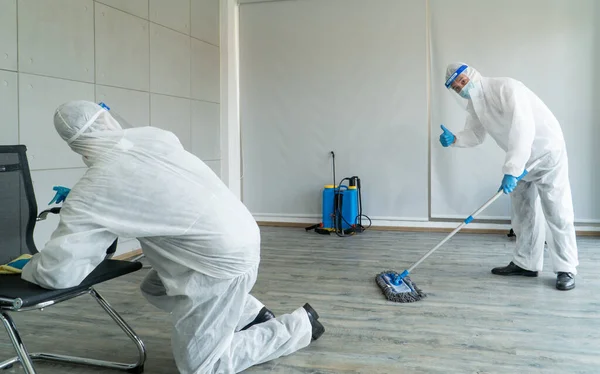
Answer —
321 76
354 76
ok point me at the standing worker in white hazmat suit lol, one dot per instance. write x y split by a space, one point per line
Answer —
526 130
203 244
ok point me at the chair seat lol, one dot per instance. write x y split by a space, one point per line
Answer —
13 287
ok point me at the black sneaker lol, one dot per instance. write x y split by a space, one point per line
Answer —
317 327
513 269
565 281
263 316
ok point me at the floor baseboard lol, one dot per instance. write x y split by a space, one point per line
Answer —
415 229
128 255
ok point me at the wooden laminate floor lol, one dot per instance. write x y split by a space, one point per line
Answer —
471 322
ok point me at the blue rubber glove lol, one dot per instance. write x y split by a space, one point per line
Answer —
447 138
508 183
61 194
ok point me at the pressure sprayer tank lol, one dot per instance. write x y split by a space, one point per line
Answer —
350 207
345 197
327 208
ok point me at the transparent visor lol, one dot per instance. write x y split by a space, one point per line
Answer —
459 86
122 121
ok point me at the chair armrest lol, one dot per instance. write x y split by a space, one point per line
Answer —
42 216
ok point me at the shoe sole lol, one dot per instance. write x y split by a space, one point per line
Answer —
310 309
565 288
519 274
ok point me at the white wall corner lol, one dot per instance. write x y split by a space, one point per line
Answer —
230 117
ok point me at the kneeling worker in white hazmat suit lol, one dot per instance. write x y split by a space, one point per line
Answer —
203 244
523 126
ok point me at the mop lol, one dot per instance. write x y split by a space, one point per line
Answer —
399 287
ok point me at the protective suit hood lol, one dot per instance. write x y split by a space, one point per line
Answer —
470 71
89 130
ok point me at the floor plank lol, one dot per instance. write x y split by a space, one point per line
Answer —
471 321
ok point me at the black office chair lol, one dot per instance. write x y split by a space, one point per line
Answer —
18 216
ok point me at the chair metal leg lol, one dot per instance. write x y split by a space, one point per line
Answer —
125 327
22 354
137 367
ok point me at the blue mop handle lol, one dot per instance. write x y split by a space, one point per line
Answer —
398 279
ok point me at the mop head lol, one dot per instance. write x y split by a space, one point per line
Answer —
405 292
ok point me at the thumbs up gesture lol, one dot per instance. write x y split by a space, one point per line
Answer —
447 138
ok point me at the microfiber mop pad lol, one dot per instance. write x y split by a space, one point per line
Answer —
399 287
16 265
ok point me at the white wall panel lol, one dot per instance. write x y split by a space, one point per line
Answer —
545 50
173 114
9 108
122 49
593 198
136 7
169 62
335 75
38 99
133 106
8 34
174 14
206 72
205 20
56 38
55 51
206 130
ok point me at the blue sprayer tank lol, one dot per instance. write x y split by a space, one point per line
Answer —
348 204
350 207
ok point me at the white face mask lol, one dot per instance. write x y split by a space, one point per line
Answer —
465 90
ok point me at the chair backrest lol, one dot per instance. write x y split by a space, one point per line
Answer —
18 209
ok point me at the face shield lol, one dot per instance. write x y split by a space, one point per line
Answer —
460 83
122 121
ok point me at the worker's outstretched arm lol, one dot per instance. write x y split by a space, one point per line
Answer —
75 248
473 134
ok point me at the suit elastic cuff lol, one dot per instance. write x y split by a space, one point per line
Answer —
511 170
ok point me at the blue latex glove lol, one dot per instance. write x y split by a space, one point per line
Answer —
61 194
508 183
447 138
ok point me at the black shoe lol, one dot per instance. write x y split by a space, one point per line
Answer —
310 310
565 281
513 269
317 327
263 316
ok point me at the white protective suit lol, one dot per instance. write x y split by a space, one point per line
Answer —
203 244
523 126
